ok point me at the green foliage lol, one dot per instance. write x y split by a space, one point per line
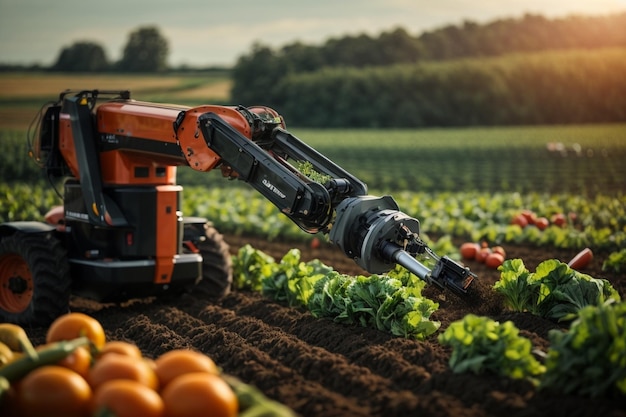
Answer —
391 303
616 262
82 57
480 344
263 68
491 160
477 216
15 162
145 51
307 169
506 71
554 290
542 88
250 266
26 202
377 301
590 358
292 280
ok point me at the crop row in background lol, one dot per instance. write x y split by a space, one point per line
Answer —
599 222
578 159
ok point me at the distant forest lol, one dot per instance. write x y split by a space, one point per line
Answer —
531 33
528 70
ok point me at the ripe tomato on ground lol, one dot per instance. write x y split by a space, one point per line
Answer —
482 254
520 220
500 250
542 223
494 260
581 260
469 249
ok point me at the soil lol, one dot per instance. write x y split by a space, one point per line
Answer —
321 368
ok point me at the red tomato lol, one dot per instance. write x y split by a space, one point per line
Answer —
494 260
530 216
500 250
542 223
520 220
581 260
559 219
469 249
482 254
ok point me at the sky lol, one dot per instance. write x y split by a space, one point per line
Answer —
216 33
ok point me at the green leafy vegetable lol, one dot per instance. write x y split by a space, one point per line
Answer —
307 169
292 280
481 344
616 262
590 358
378 301
392 303
554 291
250 266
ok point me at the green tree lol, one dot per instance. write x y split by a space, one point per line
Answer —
256 76
146 51
82 57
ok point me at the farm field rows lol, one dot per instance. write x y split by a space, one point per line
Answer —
22 94
319 367
462 184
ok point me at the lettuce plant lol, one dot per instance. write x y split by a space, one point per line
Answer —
554 291
589 359
481 344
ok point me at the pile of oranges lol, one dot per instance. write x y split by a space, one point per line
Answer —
113 378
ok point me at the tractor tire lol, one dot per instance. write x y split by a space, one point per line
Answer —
35 282
217 270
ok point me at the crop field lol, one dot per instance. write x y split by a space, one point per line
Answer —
21 95
552 159
312 330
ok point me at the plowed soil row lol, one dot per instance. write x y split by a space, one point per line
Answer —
321 368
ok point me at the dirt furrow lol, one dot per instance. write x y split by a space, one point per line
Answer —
171 327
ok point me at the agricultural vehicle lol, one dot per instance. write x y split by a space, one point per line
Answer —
120 233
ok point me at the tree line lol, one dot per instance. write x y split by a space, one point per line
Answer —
146 50
510 71
539 88
530 33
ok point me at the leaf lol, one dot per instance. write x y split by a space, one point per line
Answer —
589 358
554 290
481 344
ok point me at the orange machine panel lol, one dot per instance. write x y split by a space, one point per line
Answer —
199 156
167 220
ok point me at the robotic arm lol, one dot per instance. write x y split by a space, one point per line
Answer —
104 144
370 230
